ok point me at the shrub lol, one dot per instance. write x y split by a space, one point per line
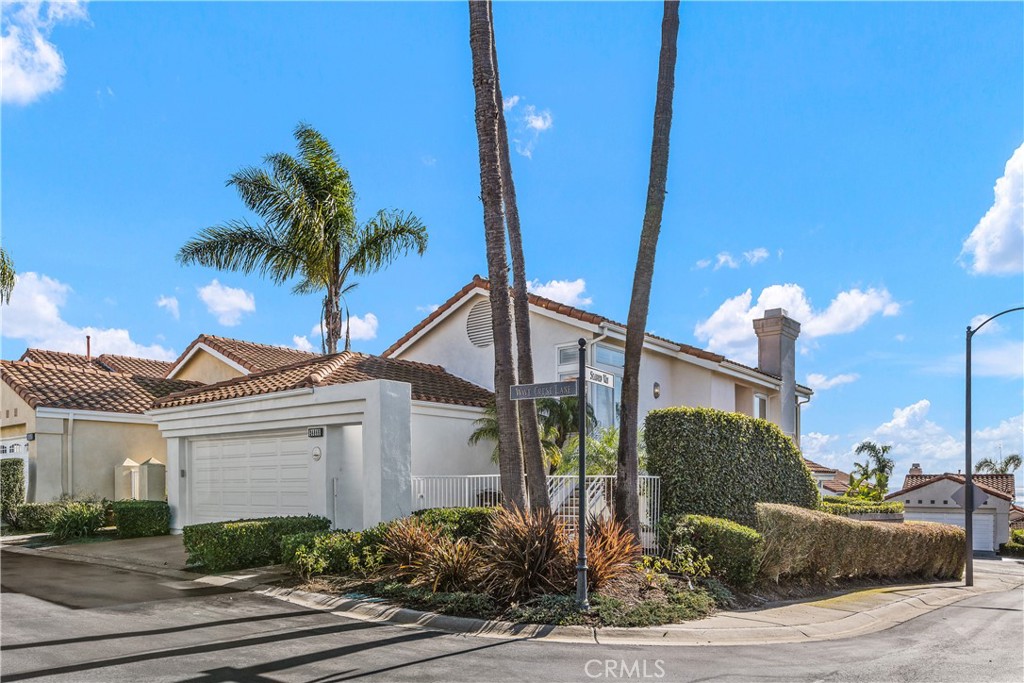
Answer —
459 604
816 545
1017 535
76 520
1012 549
311 554
471 523
407 544
838 505
560 610
683 606
452 565
720 464
612 551
734 549
12 488
223 546
137 518
37 516
526 554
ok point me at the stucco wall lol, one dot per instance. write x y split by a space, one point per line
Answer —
202 367
101 446
439 441
942 491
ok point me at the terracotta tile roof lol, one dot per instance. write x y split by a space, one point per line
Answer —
836 486
998 485
815 467
250 355
146 367
85 388
429 382
58 358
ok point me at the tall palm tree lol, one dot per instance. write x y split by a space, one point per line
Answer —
627 503
7 278
307 229
533 456
1007 465
510 449
878 466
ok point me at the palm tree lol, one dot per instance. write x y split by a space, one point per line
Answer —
627 503
558 421
307 228
7 276
510 450
878 466
1007 465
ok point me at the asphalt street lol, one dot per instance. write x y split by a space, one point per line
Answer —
65 621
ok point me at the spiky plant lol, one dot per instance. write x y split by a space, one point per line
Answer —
612 550
526 554
407 545
452 565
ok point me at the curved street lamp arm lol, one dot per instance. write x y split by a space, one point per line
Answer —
1008 310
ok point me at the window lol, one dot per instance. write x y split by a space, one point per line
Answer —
3 449
607 402
610 356
761 406
16 448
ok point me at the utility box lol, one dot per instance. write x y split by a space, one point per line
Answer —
152 481
126 480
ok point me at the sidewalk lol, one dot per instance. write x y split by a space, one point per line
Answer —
843 616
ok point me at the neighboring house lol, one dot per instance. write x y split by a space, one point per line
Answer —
339 436
1016 517
457 336
929 498
209 359
830 481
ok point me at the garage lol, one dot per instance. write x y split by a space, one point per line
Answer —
984 525
239 478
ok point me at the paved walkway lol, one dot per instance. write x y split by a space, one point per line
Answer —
851 614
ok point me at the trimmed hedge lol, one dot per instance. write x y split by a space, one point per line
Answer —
12 487
720 464
223 546
37 516
1017 536
856 506
137 518
472 523
815 545
337 552
734 549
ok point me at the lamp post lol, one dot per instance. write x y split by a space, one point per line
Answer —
968 467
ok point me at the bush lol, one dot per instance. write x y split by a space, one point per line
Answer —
720 464
476 605
1012 549
816 545
734 549
611 552
407 544
859 506
223 546
452 565
525 555
1017 535
471 523
683 606
37 516
12 488
137 518
76 520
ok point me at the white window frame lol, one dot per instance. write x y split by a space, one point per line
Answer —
754 411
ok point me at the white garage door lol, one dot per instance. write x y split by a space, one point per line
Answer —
983 528
244 478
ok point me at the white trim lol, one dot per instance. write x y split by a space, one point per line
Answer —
213 352
94 415
436 409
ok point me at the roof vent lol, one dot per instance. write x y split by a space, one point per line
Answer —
478 325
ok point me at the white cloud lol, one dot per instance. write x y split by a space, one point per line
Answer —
990 328
31 65
996 245
729 330
510 102
171 304
820 382
428 309
537 121
361 328
568 292
34 316
525 124
817 447
703 263
725 259
912 434
1004 359
755 256
302 343
227 303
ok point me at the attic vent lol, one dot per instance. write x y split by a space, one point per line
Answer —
478 325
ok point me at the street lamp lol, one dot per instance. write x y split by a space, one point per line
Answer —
968 467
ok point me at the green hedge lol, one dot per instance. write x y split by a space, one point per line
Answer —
720 464
855 506
12 487
1017 535
136 518
1012 549
734 549
472 523
336 552
33 517
75 519
806 544
223 546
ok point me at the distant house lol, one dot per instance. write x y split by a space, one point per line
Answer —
930 498
457 336
1016 517
830 481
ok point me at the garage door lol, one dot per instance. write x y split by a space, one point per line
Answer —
244 478
983 531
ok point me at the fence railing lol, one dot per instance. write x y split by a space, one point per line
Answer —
471 490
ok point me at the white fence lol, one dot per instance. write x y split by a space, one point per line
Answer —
485 490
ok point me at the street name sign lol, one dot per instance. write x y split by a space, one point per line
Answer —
521 392
605 379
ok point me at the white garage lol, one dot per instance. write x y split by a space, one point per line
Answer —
984 527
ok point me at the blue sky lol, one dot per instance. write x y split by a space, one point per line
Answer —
850 162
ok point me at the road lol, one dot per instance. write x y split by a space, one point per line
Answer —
65 621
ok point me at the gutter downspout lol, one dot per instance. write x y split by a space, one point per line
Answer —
799 420
71 454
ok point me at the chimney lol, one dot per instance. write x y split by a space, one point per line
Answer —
916 468
776 355
88 348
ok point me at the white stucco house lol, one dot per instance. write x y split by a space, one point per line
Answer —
929 498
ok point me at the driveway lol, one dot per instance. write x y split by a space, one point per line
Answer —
139 627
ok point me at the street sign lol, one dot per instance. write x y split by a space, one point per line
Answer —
597 377
520 392
980 497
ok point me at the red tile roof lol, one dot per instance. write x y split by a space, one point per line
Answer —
992 484
86 388
146 367
250 355
58 358
815 467
429 382
836 486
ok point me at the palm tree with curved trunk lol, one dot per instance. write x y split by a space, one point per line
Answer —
307 229
1007 465
7 276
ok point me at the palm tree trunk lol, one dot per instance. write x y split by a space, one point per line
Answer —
510 452
533 453
332 318
627 504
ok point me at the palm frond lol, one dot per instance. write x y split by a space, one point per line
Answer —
7 276
240 246
384 238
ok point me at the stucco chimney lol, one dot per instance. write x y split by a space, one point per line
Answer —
776 355
916 468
